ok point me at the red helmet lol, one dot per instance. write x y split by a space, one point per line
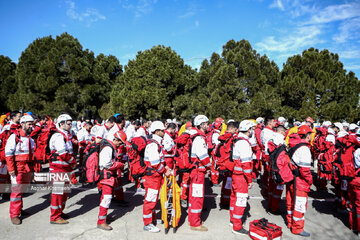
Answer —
188 124
309 119
219 119
304 129
217 125
120 135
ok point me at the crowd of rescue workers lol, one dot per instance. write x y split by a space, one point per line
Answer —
277 154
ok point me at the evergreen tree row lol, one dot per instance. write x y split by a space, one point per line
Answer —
57 74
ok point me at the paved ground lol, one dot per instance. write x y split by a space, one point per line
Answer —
322 220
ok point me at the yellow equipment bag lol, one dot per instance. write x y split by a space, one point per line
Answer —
170 203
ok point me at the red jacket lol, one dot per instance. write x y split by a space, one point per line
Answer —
305 180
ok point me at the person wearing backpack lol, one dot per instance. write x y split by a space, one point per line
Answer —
104 130
259 149
276 188
223 162
154 161
266 135
354 189
19 160
62 161
212 139
297 191
169 145
108 166
8 129
241 176
200 163
346 145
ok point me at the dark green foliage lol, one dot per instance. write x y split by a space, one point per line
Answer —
55 75
7 82
316 84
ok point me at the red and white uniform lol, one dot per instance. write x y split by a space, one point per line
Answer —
296 208
113 130
154 160
241 177
267 134
169 149
199 155
7 126
95 129
130 132
19 158
109 165
142 131
62 157
103 132
215 136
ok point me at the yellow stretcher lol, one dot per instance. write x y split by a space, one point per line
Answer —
170 203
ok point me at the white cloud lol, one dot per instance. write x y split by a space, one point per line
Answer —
352 67
277 4
298 39
349 53
140 7
89 16
192 10
348 30
336 13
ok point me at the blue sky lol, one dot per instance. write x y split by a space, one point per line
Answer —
194 29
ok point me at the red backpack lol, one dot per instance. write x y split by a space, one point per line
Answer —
319 145
345 157
42 151
223 151
210 144
185 164
283 169
136 152
91 161
4 136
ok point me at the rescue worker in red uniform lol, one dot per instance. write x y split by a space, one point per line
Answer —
109 166
297 191
154 160
354 214
169 145
259 151
62 161
201 160
266 135
241 176
19 159
9 127
275 190
213 141
223 163
84 138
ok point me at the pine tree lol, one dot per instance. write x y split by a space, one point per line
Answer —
7 82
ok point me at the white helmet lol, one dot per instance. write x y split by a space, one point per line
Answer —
26 118
342 133
64 118
231 120
156 125
245 125
345 124
259 120
326 124
281 119
200 119
353 126
338 125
